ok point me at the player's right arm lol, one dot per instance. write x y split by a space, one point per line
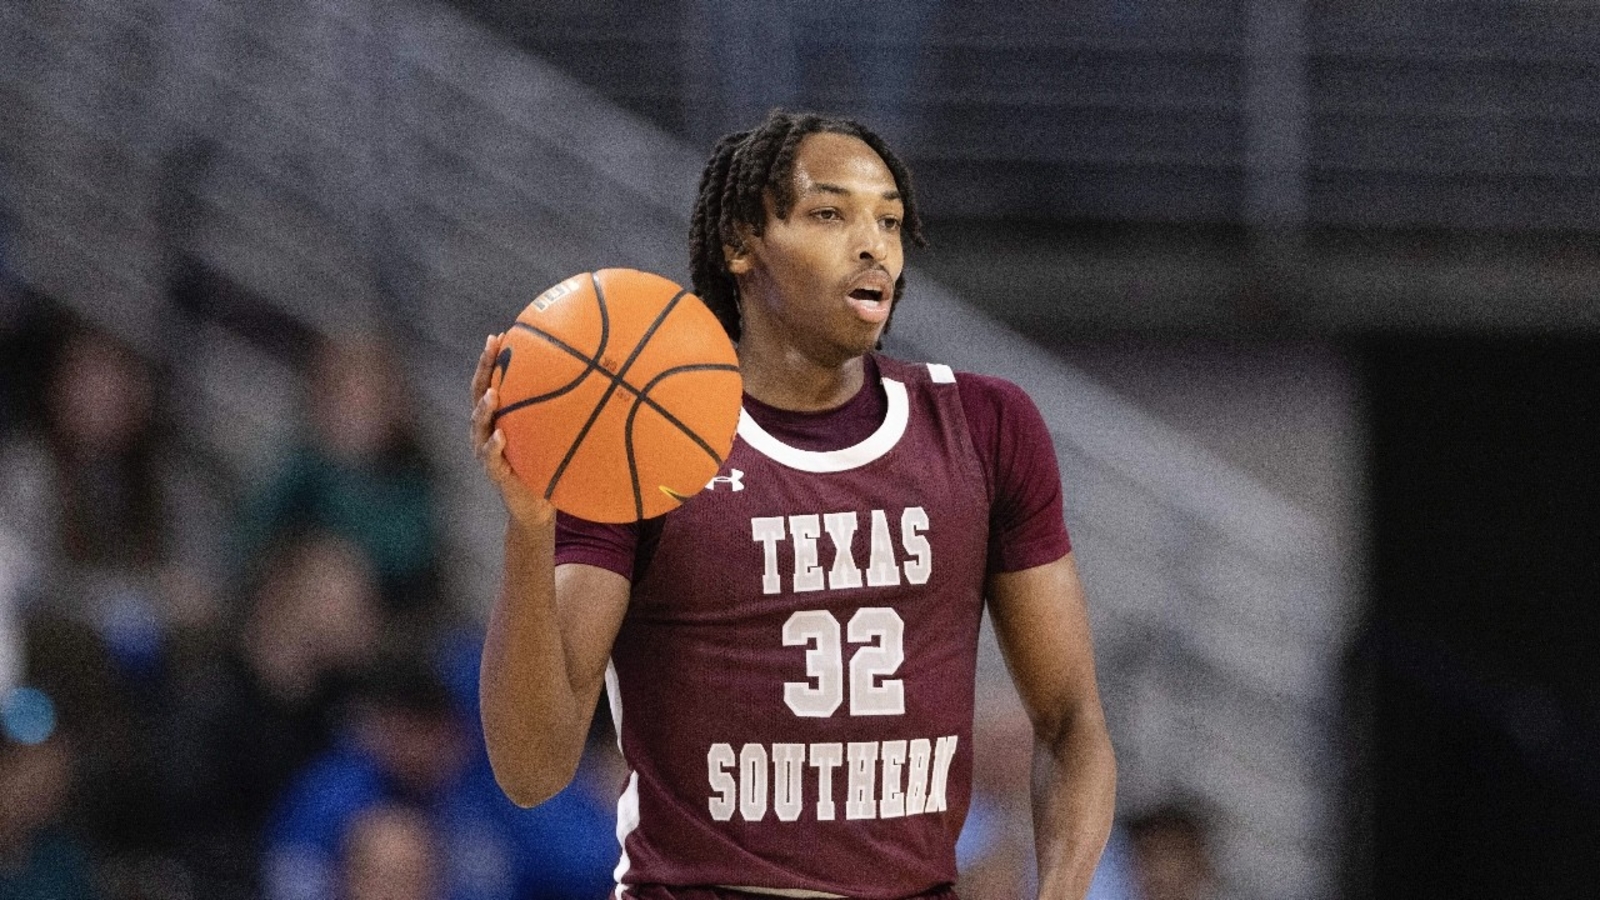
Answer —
549 633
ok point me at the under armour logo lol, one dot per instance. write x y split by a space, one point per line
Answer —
735 479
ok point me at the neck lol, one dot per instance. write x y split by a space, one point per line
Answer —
788 379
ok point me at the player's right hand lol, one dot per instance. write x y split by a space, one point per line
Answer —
489 443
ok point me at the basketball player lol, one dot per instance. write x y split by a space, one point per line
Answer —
790 655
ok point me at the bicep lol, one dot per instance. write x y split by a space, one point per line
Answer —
1041 621
590 605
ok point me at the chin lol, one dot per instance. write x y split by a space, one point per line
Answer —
866 345
838 353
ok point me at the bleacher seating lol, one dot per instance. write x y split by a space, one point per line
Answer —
356 162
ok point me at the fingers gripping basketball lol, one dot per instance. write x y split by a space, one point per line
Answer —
618 393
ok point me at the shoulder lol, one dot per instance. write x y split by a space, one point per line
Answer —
997 409
990 391
1000 414
910 371
993 396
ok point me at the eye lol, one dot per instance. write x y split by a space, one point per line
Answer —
827 213
891 223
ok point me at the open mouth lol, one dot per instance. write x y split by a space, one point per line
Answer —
871 304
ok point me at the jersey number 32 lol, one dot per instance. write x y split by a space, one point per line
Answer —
881 631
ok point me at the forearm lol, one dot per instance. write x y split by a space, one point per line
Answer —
1074 796
533 720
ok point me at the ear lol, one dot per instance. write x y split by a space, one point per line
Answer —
739 258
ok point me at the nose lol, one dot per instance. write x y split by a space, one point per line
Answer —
873 243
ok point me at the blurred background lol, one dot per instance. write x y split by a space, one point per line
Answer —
1305 290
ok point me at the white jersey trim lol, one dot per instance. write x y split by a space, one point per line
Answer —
628 803
941 373
627 821
875 446
614 698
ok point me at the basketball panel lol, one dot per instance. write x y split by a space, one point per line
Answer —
539 436
702 402
595 483
634 302
690 335
568 318
531 367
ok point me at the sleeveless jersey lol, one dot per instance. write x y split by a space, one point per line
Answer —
793 681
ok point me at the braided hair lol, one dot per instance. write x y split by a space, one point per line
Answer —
746 165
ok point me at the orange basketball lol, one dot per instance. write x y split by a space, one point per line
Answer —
619 394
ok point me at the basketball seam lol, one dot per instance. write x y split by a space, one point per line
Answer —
591 363
641 398
636 392
616 380
590 366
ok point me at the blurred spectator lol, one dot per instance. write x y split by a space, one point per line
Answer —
358 470
390 852
1172 853
114 523
409 743
103 503
115 801
250 713
39 857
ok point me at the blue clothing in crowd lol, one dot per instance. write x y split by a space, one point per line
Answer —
564 849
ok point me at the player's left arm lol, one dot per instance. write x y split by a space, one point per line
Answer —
1042 624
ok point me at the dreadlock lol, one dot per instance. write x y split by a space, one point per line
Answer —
746 165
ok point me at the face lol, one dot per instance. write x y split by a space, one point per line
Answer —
390 854
355 386
820 281
101 397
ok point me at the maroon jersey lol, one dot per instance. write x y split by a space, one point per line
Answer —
793 681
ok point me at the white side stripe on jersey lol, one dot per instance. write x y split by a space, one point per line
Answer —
875 446
614 697
627 821
628 803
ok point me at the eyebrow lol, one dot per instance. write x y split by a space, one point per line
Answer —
823 187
